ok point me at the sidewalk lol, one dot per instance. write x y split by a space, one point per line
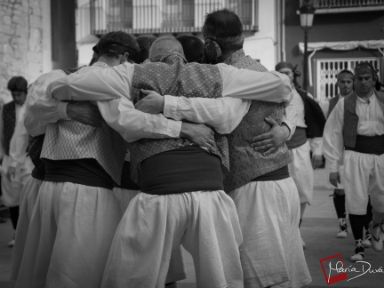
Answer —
318 230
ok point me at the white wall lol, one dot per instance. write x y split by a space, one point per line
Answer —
262 45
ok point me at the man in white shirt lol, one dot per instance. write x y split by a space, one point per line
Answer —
354 132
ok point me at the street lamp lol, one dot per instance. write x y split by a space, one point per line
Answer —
307 11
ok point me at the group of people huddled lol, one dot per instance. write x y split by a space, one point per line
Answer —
148 150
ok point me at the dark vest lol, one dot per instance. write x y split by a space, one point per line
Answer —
247 164
9 122
351 119
175 78
332 103
313 116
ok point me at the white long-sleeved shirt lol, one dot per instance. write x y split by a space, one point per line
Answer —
371 123
42 110
115 84
120 114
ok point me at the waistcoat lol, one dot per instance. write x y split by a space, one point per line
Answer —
9 122
69 140
332 104
247 164
178 79
351 119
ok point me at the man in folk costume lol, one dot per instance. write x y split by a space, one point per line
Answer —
258 183
14 167
309 123
345 86
354 132
182 199
76 213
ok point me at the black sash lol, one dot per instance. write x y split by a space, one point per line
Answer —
368 144
181 170
86 172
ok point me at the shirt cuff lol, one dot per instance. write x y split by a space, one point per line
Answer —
170 107
174 128
62 110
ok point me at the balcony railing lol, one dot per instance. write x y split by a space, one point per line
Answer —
343 6
157 16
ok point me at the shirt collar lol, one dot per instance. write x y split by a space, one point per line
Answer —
235 56
100 64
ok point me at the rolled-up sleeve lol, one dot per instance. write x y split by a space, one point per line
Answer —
254 85
222 114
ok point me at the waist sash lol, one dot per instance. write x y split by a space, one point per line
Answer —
298 138
368 144
126 180
86 172
281 173
181 170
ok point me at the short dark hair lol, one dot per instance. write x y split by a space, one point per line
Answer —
116 43
363 67
145 42
344 71
193 47
225 27
18 83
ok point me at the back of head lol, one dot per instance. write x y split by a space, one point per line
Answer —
145 42
223 34
18 83
117 43
165 47
193 48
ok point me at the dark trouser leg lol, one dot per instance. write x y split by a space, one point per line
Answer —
357 225
14 213
339 202
368 216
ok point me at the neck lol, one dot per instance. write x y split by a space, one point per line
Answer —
366 95
109 60
345 95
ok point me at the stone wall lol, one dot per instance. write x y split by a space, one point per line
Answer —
21 41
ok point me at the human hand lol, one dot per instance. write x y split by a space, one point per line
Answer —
270 141
334 178
152 103
85 112
317 161
200 134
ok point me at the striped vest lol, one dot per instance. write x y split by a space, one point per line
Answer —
69 140
178 79
247 164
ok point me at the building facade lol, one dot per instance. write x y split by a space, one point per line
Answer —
344 32
35 37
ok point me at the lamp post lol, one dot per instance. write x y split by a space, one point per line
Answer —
307 11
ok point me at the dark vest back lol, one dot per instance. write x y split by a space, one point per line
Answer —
9 122
247 164
178 79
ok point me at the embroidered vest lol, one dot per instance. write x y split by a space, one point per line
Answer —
9 122
351 119
247 164
176 78
69 140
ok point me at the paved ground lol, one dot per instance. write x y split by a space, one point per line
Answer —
318 229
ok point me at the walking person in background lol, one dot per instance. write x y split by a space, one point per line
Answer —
14 167
345 85
354 132
309 123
